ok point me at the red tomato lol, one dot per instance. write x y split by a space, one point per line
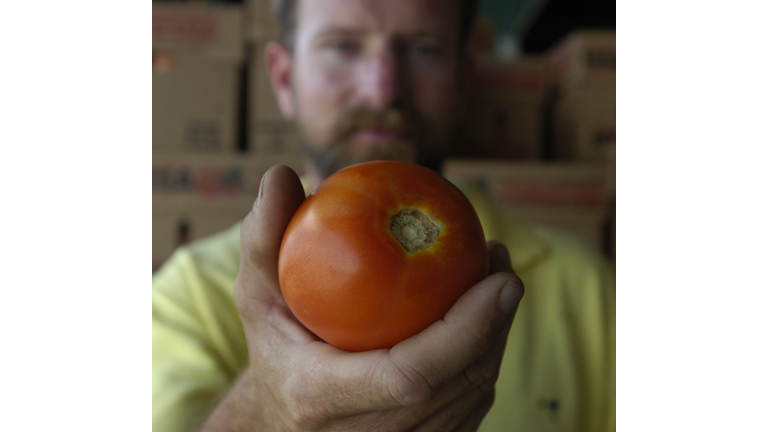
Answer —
347 277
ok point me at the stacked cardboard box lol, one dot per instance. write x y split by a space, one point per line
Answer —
197 53
198 195
202 180
505 110
568 196
584 116
180 220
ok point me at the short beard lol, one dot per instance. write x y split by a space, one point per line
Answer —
337 156
342 153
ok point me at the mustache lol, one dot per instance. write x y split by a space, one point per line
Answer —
399 120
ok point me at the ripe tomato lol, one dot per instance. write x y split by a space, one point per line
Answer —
344 267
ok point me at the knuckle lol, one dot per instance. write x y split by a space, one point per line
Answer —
489 384
489 367
409 386
483 373
481 376
303 412
471 378
490 398
480 338
301 415
483 337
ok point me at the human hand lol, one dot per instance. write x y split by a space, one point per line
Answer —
441 379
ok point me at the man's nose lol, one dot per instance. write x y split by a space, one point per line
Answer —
380 83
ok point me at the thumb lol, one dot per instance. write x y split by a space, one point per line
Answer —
470 328
261 232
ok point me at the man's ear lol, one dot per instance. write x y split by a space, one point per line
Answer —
279 61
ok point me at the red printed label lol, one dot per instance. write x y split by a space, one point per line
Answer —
191 28
564 194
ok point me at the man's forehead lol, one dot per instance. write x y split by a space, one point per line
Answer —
438 17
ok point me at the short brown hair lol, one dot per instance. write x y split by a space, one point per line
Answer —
285 12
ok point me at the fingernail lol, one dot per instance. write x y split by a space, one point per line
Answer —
507 298
261 189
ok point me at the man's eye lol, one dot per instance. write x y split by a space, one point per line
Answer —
423 49
343 47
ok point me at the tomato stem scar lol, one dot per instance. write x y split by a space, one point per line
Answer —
413 229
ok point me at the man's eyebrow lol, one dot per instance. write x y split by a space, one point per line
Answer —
339 31
435 35
333 32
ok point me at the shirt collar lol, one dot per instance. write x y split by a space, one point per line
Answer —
524 245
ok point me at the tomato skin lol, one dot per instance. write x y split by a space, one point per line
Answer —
349 281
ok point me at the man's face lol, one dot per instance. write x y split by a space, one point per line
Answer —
375 79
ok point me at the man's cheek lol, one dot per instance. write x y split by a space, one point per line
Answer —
323 99
324 81
438 98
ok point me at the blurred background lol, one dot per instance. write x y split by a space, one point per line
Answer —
540 140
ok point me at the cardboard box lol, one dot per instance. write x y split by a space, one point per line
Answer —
584 114
505 111
197 56
269 132
566 196
482 37
180 220
584 120
194 196
261 22
213 176
586 55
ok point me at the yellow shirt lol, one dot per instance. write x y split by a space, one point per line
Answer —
558 372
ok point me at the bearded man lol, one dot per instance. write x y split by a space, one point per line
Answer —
366 80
